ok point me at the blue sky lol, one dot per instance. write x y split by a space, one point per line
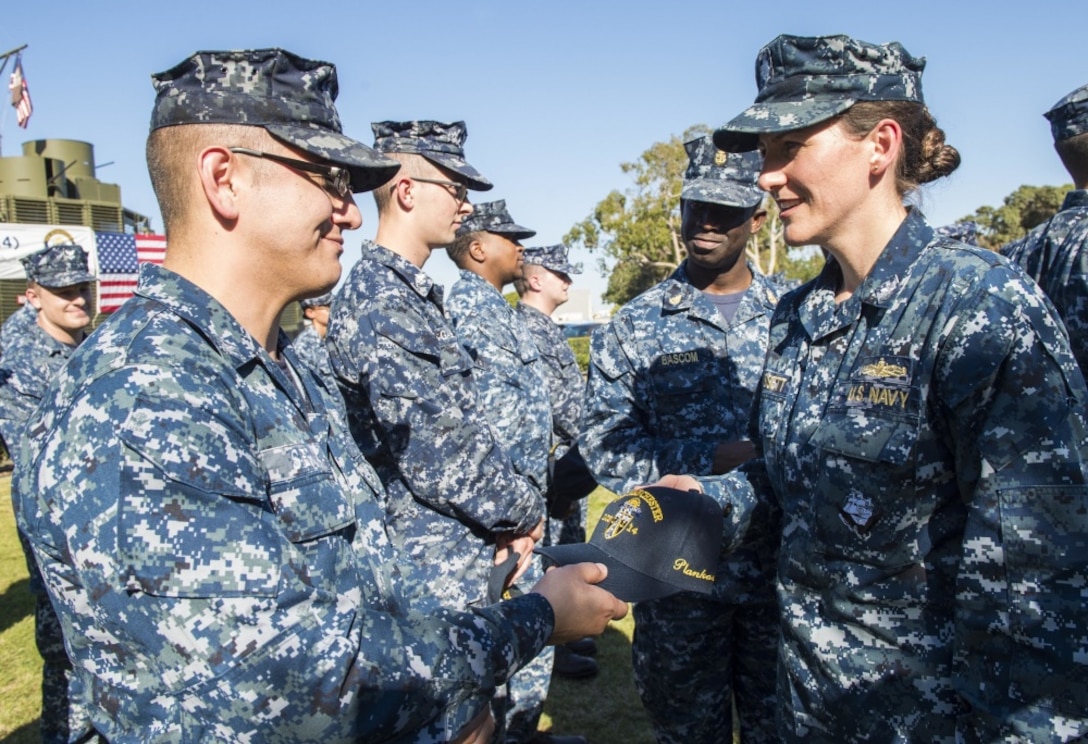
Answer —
555 94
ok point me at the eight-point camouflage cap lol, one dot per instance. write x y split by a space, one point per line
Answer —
441 143
493 217
655 541
719 177
289 96
58 266
553 257
324 300
804 80
1069 116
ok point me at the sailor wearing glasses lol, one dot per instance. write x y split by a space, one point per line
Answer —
211 539
455 502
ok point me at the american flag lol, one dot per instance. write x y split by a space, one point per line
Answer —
20 95
119 256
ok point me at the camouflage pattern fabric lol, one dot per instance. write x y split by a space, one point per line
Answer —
508 374
492 216
60 265
669 380
718 177
1055 254
291 97
414 412
926 444
566 386
514 398
310 349
1069 116
33 358
443 143
566 392
215 547
16 324
30 362
803 80
554 257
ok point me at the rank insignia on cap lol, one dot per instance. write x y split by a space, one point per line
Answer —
720 157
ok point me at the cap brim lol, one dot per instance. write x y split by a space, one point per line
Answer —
741 134
717 192
369 169
627 584
472 177
515 232
67 280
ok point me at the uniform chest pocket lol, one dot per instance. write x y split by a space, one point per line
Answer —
303 491
868 508
412 355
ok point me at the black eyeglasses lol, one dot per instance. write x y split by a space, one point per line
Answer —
336 178
460 190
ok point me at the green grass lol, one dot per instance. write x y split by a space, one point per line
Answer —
604 709
20 684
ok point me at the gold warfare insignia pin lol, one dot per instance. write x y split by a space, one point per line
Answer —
720 158
883 369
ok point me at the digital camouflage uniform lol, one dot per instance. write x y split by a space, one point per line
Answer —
924 440
215 547
309 346
414 412
1055 253
925 444
16 324
513 396
32 359
310 349
566 384
669 380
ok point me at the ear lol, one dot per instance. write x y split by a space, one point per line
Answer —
758 219
536 283
404 193
477 251
33 298
885 140
218 170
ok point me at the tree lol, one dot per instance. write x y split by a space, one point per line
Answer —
1022 210
638 230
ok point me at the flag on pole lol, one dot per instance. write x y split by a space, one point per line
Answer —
20 94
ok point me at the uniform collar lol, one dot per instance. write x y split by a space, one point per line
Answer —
819 312
411 274
1074 199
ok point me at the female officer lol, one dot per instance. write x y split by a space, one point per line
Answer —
920 418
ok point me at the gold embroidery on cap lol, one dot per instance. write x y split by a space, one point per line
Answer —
720 157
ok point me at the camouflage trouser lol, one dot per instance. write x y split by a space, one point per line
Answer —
694 657
60 719
519 704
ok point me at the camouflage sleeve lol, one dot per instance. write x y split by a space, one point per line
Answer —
520 417
616 441
410 402
199 612
1014 403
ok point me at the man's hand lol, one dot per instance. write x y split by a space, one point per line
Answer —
479 730
729 455
523 545
680 483
580 608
